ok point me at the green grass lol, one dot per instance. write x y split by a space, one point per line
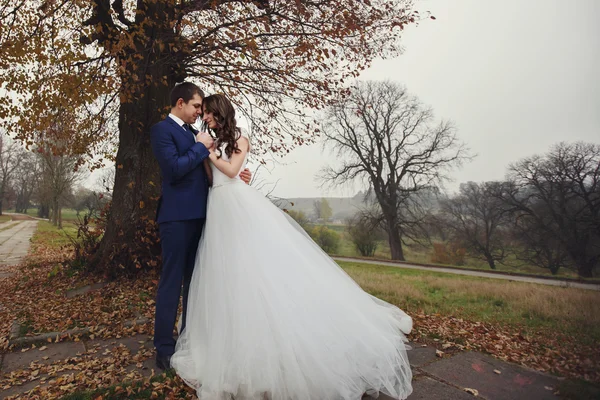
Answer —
5 218
337 228
515 304
513 265
32 212
347 249
50 235
417 253
68 214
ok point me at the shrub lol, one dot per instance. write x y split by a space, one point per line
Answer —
448 253
363 235
89 233
299 217
328 239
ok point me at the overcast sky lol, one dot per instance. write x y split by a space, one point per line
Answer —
515 76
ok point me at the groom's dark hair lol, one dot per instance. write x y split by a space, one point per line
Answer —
185 91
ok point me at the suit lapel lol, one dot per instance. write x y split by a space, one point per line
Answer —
180 129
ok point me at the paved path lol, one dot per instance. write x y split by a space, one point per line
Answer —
434 378
483 274
66 359
14 242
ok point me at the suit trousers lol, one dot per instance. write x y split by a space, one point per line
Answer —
179 242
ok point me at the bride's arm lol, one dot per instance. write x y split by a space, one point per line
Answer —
232 167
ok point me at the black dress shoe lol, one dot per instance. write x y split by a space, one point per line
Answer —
163 362
370 395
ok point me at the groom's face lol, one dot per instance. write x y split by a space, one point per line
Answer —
192 110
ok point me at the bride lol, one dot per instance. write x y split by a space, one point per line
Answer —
270 315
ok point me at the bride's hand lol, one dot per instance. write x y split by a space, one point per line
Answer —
212 153
205 139
212 148
246 176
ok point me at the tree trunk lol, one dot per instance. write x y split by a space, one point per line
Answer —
585 269
43 211
130 241
23 201
583 260
55 213
0 206
59 212
490 260
395 242
136 190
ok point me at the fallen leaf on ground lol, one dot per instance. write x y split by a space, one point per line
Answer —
103 312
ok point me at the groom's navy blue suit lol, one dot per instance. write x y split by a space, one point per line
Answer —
180 215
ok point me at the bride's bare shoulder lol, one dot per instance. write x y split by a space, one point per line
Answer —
243 141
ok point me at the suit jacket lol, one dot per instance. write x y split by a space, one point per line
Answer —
184 180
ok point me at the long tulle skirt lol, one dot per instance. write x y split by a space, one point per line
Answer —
271 316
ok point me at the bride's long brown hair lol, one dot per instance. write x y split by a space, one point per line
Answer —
227 130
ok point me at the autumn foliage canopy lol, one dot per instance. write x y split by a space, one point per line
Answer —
89 77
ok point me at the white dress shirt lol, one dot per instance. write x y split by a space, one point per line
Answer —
181 123
177 119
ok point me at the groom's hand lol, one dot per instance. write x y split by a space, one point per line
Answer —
205 139
246 176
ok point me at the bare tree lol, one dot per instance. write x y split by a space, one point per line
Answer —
87 201
558 194
9 162
317 209
59 174
322 210
387 138
535 246
105 183
26 181
478 219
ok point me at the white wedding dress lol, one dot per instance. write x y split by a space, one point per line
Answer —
272 316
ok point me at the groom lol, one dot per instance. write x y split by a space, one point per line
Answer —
180 151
